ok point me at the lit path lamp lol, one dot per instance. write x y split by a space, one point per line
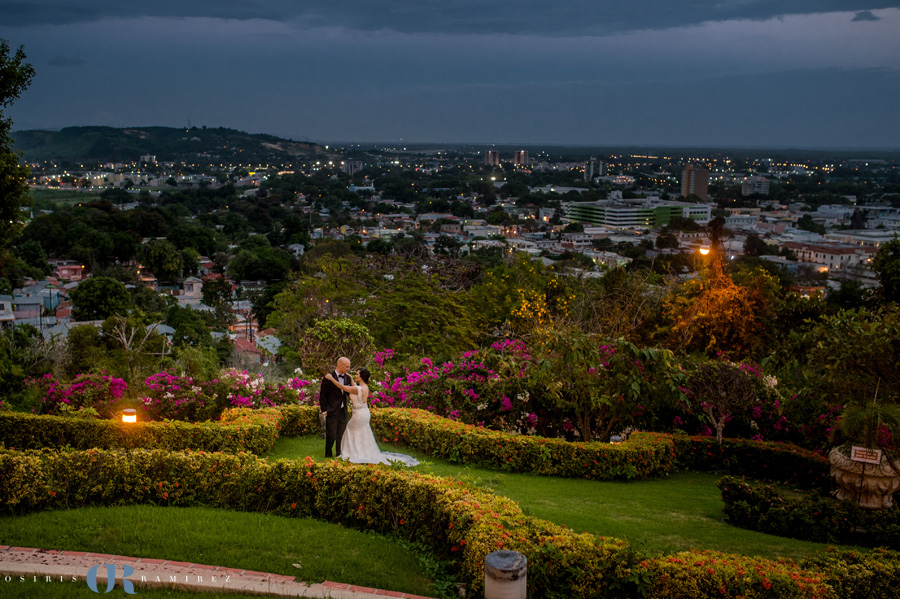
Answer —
129 415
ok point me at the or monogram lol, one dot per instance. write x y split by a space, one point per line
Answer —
127 585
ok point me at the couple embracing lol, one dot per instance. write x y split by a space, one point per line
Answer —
353 440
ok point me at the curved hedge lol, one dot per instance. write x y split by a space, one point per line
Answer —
645 455
456 519
809 517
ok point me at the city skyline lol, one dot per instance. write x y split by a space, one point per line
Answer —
737 74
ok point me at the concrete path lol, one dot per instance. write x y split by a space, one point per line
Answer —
51 566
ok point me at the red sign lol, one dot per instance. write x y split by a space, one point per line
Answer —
864 454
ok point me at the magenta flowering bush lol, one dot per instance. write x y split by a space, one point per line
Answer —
173 397
486 387
250 390
101 392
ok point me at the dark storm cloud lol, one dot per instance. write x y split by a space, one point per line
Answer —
66 61
865 15
532 17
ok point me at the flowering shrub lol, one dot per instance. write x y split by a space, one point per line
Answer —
487 387
176 398
98 391
181 398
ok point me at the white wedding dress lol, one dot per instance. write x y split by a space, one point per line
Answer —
358 443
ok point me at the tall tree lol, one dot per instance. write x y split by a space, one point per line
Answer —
887 265
15 75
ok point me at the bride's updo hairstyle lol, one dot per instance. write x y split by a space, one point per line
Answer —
364 375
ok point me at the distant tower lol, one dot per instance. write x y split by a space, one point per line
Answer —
594 168
695 181
492 158
520 158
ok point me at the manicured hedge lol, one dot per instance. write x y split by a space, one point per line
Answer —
808 516
456 519
645 455
26 431
757 459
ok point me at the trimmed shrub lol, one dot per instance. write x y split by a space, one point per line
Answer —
808 516
758 459
645 455
26 431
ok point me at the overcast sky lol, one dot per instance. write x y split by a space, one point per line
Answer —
754 73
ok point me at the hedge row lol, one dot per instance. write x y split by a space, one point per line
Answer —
457 519
256 433
808 516
757 459
645 455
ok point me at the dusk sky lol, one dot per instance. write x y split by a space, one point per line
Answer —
747 73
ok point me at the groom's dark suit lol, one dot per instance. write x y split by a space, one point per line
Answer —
333 402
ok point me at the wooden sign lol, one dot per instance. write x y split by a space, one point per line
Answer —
864 454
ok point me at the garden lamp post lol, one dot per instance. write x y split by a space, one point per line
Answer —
129 415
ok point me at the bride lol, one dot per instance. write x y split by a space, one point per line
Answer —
358 444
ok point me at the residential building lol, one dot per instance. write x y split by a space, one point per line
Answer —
520 158
492 158
755 185
351 167
832 256
594 168
695 182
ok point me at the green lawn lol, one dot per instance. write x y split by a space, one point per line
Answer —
249 541
47 198
677 513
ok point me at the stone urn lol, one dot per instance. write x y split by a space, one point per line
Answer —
871 484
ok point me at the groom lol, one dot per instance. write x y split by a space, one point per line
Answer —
333 402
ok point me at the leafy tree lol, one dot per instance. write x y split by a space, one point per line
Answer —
85 348
754 246
807 223
416 315
162 258
887 266
447 246
15 76
520 298
379 246
716 314
320 345
667 240
98 298
724 390
33 255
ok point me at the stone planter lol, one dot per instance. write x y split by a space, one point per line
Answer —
879 481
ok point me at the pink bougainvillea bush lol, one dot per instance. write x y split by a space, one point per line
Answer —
100 392
181 398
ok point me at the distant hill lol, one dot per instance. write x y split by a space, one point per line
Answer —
194 145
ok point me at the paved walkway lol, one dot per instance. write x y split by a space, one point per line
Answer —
50 565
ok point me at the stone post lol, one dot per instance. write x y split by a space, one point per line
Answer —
505 575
